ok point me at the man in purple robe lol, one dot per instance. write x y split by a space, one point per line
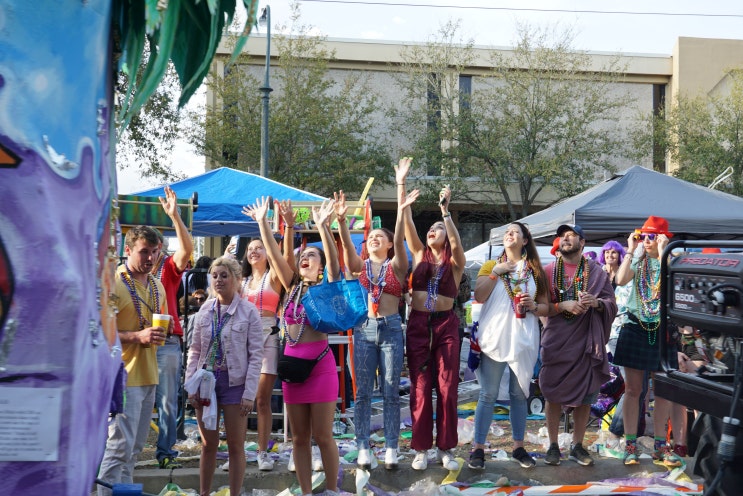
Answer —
574 361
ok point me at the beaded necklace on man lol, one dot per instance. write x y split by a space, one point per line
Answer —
301 316
647 289
246 285
433 289
216 356
154 296
578 283
513 284
376 286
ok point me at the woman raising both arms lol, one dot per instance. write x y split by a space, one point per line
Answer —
433 329
261 286
379 343
310 405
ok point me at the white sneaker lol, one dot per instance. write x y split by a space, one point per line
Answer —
316 459
420 462
226 466
265 462
390 459
364 459
290 465
448 460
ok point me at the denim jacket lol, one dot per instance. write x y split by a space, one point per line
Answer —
242 343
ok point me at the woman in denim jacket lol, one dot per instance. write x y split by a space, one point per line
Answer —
228 341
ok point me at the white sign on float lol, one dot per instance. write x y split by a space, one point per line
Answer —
29 424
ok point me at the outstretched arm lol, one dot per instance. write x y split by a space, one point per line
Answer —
321 215
185 243
457 250
400 261
411 236
259 212
290 219
353 260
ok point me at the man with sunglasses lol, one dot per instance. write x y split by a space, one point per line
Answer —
637 350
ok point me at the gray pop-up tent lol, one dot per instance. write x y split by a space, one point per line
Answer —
614 208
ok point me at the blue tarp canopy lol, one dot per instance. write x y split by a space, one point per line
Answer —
221 195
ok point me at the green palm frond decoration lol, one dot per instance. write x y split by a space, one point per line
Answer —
184 31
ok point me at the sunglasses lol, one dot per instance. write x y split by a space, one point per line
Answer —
643 237
200 298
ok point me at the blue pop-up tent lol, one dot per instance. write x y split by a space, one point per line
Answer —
221 195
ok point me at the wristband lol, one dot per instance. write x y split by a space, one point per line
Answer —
557 307
492 276
446 215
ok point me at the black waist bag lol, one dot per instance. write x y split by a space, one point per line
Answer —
294 369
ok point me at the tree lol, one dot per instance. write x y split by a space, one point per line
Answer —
542 117
163 47
320 128
147 142
701 135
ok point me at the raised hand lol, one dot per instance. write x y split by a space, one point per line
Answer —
402 168
410 198
259 210
170 202
444 198
321 215
287 212
341 208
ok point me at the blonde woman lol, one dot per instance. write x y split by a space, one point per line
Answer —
228 341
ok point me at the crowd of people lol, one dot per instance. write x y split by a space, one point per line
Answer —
240 320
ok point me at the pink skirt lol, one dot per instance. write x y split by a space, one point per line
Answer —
322 385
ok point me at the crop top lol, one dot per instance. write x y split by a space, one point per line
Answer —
426 271
269 300
391 284
295 314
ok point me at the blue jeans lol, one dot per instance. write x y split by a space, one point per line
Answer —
379 344
489 377
169 363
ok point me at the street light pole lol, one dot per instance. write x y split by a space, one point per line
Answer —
266 90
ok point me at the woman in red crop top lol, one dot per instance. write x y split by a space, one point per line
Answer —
261 286
378 344
432 333
310 405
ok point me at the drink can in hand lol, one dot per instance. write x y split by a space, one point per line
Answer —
518 307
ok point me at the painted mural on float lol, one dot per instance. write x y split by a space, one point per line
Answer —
59 351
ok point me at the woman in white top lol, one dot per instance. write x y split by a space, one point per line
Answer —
512 288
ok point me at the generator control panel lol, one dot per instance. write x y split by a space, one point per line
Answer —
702 293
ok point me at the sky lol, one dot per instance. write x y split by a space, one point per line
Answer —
629 27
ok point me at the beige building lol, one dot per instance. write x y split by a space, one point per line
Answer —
696 66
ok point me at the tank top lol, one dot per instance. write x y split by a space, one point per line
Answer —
426 271
264 297
391 284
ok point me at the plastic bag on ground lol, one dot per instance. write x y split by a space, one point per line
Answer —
425 487
465 431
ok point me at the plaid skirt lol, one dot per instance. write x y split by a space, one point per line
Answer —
635 351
